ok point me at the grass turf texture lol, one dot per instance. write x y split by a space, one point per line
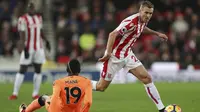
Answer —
117 98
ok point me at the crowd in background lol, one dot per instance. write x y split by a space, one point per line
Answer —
9 13
83 31
82 28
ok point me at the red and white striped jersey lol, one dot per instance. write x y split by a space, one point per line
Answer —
129 29
32 26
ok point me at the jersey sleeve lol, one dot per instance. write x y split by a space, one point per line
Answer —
125 27
21 25
55 97
41 22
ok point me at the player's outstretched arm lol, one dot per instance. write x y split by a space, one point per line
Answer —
111 40
22 40
150 31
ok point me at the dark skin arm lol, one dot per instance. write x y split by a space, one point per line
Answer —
45 39
22 41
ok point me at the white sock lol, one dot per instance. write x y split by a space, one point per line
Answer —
18 82
154 95
37 79
94 85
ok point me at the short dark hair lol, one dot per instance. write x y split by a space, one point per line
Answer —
74 67
147 3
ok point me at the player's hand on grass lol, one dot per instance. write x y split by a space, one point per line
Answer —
163 36
105 57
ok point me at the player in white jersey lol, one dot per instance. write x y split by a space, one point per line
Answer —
119 55
31 49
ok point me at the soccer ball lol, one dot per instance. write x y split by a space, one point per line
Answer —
173 108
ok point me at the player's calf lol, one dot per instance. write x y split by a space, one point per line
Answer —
102 85
100 88
141 73
37 80
18 82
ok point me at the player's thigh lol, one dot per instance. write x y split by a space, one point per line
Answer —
136 67
132 62
26 61
140 72
110 68
39 56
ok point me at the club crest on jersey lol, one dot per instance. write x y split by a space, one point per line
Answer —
128 28
123 30
131 27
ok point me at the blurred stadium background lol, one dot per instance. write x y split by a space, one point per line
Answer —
80 28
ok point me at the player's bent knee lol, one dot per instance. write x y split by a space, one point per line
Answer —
42 99
102 87
146 79
38 70
23 69
22 72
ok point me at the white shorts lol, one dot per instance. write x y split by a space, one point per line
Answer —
113 65
37 57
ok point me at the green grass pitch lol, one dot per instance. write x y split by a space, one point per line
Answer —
117 98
